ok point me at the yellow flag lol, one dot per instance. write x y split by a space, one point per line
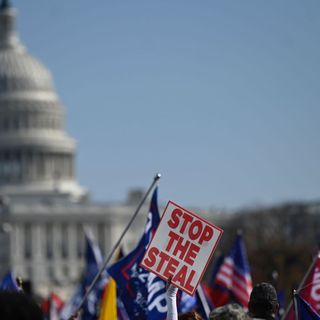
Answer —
109 302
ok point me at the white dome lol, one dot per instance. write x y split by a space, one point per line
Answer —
21 72
36 154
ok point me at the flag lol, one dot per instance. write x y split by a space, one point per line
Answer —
121 312
55 306
233 280
143 294
198 302
120 254
218 262
280 295
304 310
52 306
308 289
209 286
9 283
281 301
108 309
93 263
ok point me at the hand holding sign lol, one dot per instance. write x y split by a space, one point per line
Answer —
181 248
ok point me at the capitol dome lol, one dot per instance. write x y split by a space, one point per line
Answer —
20 71
36 154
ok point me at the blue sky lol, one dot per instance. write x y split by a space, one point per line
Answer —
221 97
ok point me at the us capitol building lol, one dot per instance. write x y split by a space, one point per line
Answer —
42 207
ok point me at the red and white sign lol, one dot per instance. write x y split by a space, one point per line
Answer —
181 247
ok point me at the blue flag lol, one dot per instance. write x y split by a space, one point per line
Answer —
303 309
93 260
143 294
210 286
187 303
216 267
281 301
9 283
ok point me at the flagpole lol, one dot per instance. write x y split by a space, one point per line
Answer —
94 281
308 285
295 304
203 300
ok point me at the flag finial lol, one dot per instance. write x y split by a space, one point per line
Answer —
157 176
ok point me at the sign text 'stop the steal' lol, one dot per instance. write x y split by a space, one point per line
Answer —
182 247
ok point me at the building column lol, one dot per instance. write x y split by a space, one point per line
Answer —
6 260
57 253
113 232
38 254
17 243
72 253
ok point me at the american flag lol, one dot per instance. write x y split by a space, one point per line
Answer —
233 281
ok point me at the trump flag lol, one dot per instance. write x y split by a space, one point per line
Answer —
142 292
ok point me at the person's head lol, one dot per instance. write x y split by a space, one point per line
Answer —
232 311
17 305
263 301
193 315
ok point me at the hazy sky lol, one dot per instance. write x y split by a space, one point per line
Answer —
221 97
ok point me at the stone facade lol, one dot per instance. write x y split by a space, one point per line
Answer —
44 242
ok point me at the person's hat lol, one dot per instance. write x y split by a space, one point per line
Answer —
231 311
263 292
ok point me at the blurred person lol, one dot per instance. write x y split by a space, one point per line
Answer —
192 315
263 303
18 306
231 311
171 297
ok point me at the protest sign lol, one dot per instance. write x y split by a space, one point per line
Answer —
181 247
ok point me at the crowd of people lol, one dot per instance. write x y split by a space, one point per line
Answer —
254 303
263 304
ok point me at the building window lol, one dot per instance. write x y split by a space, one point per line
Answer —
10 166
